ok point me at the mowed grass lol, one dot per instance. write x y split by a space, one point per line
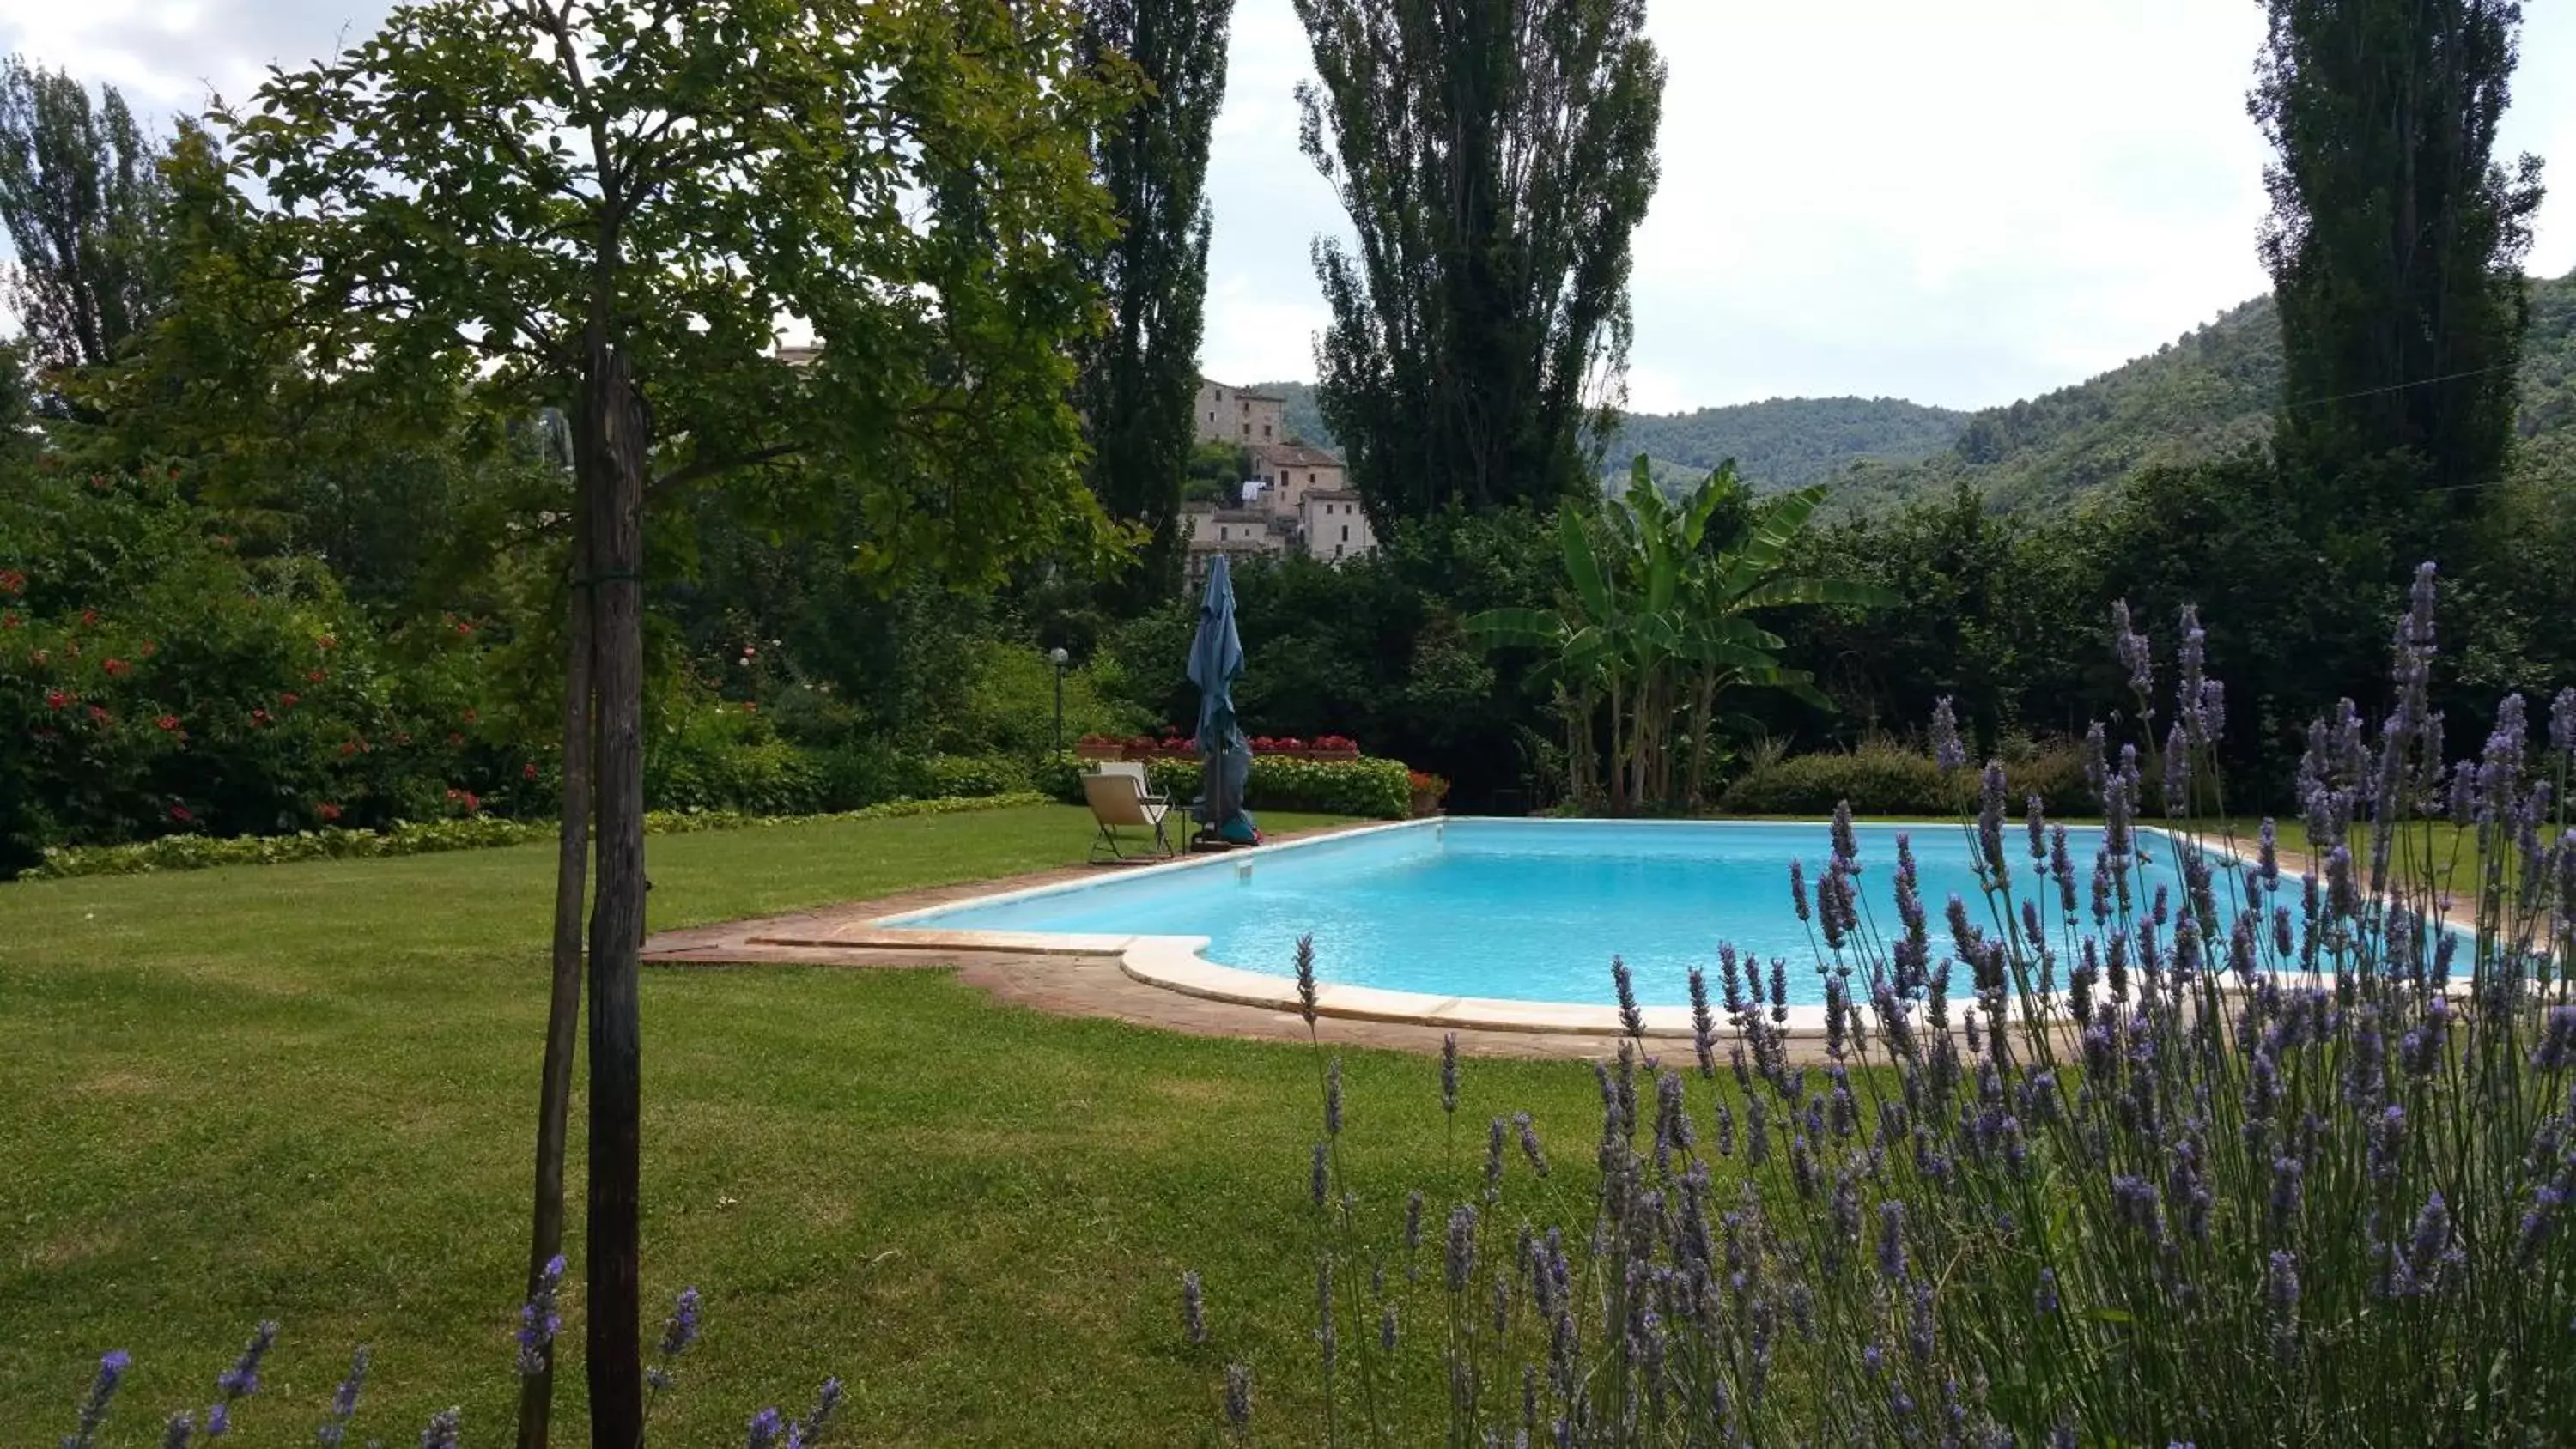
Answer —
306 1092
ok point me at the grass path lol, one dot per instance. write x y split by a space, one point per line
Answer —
304 1092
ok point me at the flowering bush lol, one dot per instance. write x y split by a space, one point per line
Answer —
1368 789
1879 777
2272 1155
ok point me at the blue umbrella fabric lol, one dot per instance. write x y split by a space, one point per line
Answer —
1225 758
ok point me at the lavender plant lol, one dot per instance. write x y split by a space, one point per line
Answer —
539 1320
2198 1141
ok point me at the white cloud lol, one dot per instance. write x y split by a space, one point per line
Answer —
1961 204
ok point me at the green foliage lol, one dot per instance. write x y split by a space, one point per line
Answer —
1370 789
1881 777
1140 374
1007 706
1480 326
1300 413
81 201
2395 244
1785 443
403 837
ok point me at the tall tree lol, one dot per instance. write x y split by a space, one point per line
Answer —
606 206
1495 157
1139 376
2395 242
81 199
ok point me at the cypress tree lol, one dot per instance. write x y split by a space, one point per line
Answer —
1139 377
81 198
1495 157
2395 245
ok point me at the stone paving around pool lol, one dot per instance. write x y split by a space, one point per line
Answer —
1095 983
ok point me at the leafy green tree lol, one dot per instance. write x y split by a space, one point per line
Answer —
1495 157
606 206
1139 376
2395 242
80 199
1656 626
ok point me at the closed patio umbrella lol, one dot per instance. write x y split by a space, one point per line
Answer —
1225 759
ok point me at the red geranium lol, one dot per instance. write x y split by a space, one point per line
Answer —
97 714
288 701
313 676
12 581
116 666
330 812
348 748
180 813
453 793
473 802
259 717
89 618
528 771
168 722
56 699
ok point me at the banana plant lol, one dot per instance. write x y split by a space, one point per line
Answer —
1655 627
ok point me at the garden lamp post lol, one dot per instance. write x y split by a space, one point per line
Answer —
1057 657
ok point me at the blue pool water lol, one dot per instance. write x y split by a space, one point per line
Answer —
1523 910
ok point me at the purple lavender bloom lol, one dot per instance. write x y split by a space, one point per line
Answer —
2538 1222
1386 1329
2562 723
1238 1395
2387 1143
1631 1018
2289 1189
2043 1300
1462 1247
1846 844
1990 822
1319 1174
809 1431
1333 1098
2557 1040
2177 773
767 1428
1449 1072
2429 1248
177 1433
1918 1326
445 1428
538 1319
344 1401
2134 1199
680 1330
1306 979
2133 649
1529 1142
1193 1307
1703 1025
2213 710
1891 1240
1798 888
2281 1292
102 1391
1947 751
1494 1140
1412 1222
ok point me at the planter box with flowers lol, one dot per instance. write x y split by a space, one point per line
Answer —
1322 747
1428 791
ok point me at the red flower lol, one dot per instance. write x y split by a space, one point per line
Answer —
116 666
98 481
348 748
452 793
56 699
454 740
288 701
168 722
180 814
528 771
89 618
12 582
463 627
330 812
97 714
473 802
313 676
259 717
8 621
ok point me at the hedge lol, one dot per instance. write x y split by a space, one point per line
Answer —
1366 788
1883 779
193 852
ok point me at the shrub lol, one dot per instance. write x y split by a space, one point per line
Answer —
962 775
2269 1160
724 757
1366 789
192 852
1880 777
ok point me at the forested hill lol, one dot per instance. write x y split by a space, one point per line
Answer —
2206 393
1780 443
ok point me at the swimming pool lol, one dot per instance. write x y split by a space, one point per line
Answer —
1505 910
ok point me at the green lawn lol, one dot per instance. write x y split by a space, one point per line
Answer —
304 1092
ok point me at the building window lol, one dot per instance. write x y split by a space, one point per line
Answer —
1346 535
1337 550
1247 430
1265 430
1247 409
1223 534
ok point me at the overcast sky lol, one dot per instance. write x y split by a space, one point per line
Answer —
1961 203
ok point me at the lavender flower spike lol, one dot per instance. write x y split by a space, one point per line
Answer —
102 1390
1238 1395
538 1320
444 1431
679 1331
767 1427
809 1431
1193 1307
1333 1098
344 1402
1947 751
176 1433
1306 979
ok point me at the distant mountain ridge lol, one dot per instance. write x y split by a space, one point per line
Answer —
2207 393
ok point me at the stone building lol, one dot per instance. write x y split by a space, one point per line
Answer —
1239 416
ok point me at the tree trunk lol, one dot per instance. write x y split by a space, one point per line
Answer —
614 416
1702 725
1618 775
563 1007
